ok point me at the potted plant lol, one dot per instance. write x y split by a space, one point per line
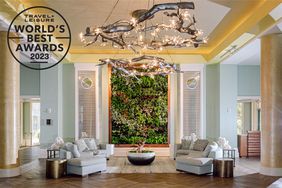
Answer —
141 156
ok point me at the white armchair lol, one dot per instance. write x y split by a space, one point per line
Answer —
106 149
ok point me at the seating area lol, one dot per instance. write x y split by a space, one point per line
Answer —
127 93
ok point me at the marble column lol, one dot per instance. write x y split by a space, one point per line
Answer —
9 111
271 96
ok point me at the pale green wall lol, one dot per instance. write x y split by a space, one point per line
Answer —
29 82
228 103
50 99
58 93
212 101
68 102
248 80
221 102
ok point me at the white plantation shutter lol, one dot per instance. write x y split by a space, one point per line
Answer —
87 105
191 105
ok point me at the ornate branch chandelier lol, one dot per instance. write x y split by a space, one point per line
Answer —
121 33
178 29
137 67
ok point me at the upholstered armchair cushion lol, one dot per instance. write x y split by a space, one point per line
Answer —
210 148
200 145
91 143
182 152
81 145
74 151
185 144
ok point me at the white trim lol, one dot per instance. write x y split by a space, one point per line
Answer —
193 67
76 136
12 172
181 107
248 98
30 98
97 90
86 67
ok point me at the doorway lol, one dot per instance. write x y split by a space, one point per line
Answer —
248 115
30 122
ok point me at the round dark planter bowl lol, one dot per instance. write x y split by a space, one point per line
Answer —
141 158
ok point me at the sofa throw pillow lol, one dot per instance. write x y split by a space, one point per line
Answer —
81 145
207 151
67 146
74 151
214 146
200 145
185 144
91 144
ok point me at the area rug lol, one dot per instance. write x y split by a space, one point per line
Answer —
122 165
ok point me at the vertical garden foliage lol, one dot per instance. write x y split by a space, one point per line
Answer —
139 109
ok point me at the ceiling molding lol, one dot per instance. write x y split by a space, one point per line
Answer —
239 19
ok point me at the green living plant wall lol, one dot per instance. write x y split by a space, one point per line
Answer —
139 109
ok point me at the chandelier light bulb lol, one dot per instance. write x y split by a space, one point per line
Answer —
140 38
133 21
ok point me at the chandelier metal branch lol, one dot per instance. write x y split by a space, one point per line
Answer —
179 31
120 33
137 67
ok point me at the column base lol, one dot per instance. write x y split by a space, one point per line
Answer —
270 171
6 173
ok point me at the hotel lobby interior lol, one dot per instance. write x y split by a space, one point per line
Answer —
141 93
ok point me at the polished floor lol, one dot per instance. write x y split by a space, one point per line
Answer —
35 177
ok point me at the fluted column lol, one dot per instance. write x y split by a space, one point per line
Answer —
9 111
271 95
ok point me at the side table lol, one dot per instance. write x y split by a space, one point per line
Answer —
53 153
229 153
56 168
223 167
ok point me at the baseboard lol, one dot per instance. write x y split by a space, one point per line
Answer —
271 171
12 172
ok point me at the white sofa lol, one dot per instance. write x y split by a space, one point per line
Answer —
86 165
197 166
195 160
83 160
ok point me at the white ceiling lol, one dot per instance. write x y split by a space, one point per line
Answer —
248 55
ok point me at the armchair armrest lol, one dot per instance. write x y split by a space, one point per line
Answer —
176 147
216 154
64 154
109 149
102 146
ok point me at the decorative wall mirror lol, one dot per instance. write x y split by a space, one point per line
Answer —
86 83
192 83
